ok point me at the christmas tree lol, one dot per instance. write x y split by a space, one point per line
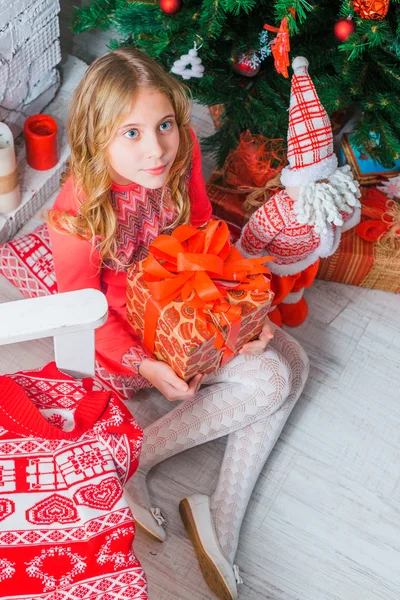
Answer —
361 68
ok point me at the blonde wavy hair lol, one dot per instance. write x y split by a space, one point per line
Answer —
103 98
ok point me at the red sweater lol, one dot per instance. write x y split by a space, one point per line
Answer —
66 451
142 214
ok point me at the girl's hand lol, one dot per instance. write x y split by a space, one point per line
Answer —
259 346
164 378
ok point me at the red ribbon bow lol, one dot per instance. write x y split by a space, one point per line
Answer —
382 218
200 266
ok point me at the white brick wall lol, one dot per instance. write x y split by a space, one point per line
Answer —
37 186
29 53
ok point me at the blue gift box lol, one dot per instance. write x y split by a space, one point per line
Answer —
365 169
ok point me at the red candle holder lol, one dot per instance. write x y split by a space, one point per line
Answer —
41 142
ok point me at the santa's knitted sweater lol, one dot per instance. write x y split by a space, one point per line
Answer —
66 531
274 230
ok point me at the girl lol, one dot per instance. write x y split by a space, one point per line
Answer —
135 171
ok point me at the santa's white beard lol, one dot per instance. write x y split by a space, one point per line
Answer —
322 203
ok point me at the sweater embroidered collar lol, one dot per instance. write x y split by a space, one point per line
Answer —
142 214
21 416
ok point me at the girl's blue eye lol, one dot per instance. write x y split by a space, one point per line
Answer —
166 126
134 133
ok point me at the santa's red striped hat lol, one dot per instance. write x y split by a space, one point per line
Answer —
310 140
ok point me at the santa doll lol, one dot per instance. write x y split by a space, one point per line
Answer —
303 222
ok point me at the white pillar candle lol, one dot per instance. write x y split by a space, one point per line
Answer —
10 195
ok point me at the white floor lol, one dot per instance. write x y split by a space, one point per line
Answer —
324 519
323 523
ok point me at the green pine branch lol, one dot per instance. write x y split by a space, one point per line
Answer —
97 15
237 6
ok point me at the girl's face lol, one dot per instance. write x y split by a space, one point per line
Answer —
146 143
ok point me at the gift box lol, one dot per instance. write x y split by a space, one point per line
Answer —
369 255
365 169
195 300
249 177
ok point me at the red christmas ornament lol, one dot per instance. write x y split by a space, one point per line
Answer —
248 64
343 28
371 9
171 7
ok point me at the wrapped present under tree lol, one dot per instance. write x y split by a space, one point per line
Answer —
367 170
369 256
249 177
195 301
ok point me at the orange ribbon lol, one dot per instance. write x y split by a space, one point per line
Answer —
200 266
382 219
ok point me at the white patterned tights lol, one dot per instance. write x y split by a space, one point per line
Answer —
249 399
